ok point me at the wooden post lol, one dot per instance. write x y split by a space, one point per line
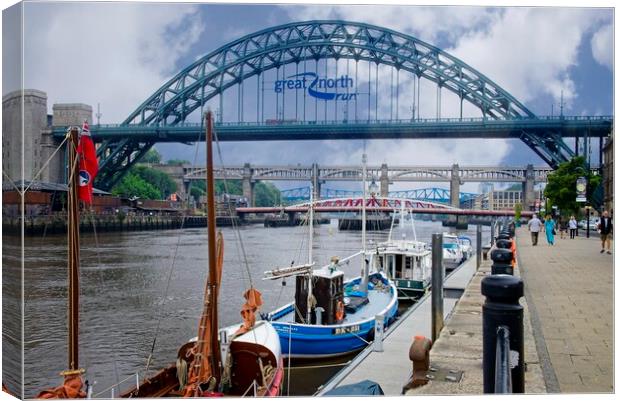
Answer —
74 250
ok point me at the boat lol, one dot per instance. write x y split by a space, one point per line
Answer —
466 246
330 316
407 261
82 168
452 252
238 360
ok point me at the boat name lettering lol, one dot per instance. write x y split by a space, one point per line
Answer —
349 329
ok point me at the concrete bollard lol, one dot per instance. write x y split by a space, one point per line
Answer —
502 308
378 341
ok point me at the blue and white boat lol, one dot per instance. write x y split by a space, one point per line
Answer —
330 316
341 322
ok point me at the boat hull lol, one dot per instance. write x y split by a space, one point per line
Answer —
301 341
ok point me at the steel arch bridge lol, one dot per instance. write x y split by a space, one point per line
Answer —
436 195
299 42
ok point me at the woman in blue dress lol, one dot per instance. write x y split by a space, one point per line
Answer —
549 227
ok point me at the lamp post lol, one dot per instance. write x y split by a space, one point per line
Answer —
588 207
373 188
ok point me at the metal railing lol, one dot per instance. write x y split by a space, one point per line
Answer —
367 121
503 379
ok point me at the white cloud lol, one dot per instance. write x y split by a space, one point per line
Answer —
603 46
109 53
529 51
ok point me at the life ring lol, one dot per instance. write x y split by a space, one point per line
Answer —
339 311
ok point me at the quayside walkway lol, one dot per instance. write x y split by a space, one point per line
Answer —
569 290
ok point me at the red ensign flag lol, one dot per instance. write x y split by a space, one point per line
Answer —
88 164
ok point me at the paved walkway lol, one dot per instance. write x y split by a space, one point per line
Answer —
459 346
569 289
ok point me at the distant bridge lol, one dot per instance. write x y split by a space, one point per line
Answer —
440 195
377 205
383 175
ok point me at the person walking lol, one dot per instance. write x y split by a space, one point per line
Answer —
605 227
534 225
550 229
572 225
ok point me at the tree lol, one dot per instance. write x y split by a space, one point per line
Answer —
160 180
152 156
133 185
177 162
266 194
518 210
561 187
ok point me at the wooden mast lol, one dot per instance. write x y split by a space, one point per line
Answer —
74 250
215 357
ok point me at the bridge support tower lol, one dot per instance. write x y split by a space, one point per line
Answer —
384 181
455 186
529 197
316 183
247 184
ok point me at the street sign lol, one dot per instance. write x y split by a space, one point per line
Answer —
582 185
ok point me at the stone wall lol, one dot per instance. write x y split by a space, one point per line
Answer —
24 118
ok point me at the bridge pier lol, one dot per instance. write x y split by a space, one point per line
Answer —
529 197
316 183
247 184
384 181
455 186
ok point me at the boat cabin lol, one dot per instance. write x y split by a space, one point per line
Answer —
327 301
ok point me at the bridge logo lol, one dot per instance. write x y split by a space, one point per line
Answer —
310 81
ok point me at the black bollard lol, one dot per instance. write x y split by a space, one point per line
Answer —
502 258
501 255
503 243
502 308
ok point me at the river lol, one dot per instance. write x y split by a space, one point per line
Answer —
145 288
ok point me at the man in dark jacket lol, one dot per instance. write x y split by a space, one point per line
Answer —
605 227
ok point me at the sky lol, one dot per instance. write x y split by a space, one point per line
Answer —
117 54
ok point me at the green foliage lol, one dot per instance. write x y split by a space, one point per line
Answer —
177 162
160 180
152 156
518 210
133 185
234 187
266 194
561 187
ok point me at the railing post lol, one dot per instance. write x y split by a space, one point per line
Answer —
437 285
378 341
502 308
503 381
478 246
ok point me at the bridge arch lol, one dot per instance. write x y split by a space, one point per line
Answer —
297 42
426 173
313 40
500 174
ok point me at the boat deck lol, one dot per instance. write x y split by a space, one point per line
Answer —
378 301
